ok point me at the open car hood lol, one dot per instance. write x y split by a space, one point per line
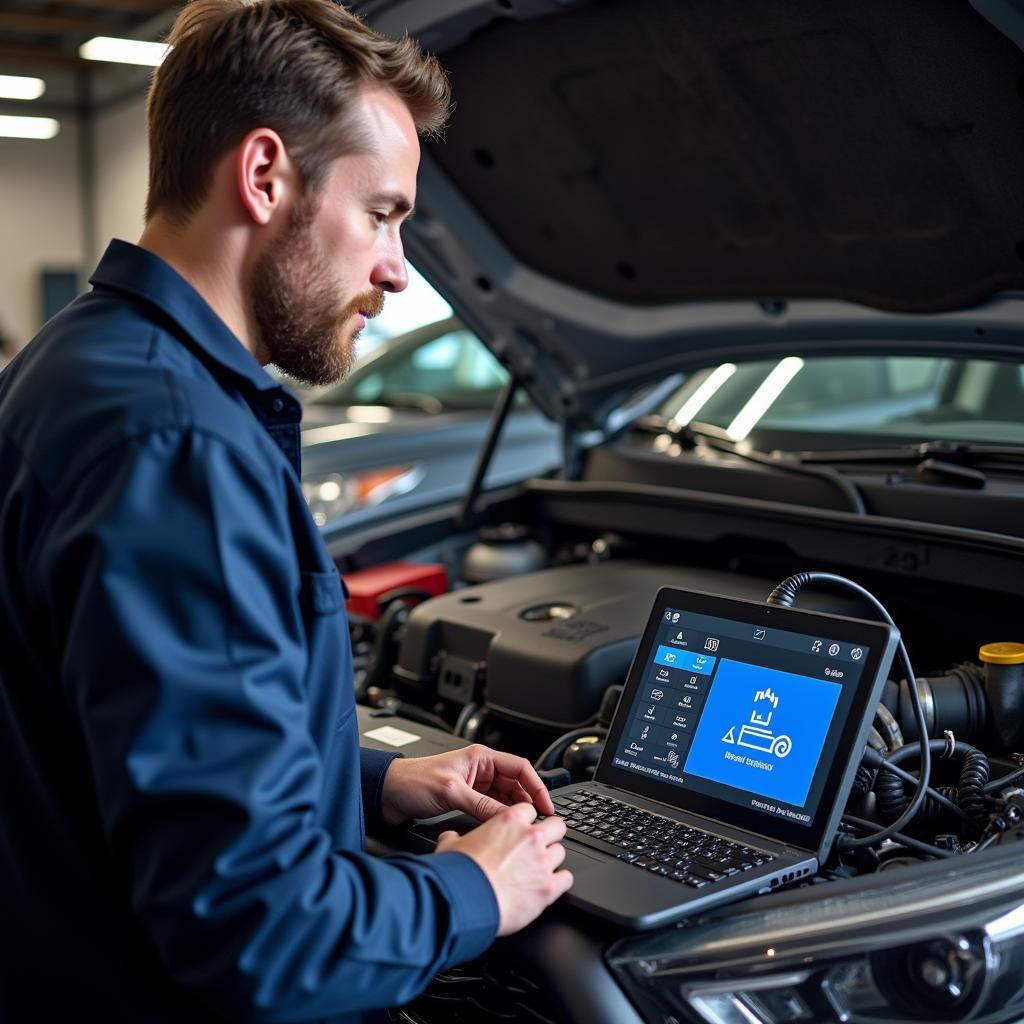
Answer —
632 188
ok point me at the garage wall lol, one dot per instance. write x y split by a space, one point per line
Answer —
121 174
40 222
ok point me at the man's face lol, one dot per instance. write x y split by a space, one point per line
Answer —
314 287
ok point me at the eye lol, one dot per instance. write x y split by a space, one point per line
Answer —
380 218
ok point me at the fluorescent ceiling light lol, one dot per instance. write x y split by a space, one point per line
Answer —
17 87
124 51
764 397
707 390
28 127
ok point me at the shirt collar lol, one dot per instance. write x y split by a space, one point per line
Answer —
139 272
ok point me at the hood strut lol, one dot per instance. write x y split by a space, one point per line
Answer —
466 513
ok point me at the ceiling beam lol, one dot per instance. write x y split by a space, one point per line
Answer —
52 24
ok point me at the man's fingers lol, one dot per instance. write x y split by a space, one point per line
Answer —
556 854
553 829
446 839
463 797
564 880
512 767
510 790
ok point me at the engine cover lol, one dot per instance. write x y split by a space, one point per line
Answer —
545 646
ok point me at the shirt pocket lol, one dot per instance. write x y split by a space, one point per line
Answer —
329 683
323 593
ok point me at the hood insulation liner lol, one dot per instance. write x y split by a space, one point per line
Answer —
653 151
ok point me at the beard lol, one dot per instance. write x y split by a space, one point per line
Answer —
294 297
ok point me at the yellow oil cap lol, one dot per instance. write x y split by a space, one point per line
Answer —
1002 654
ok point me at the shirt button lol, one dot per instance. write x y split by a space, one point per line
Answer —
277 405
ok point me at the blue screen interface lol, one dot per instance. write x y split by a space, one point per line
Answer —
740 712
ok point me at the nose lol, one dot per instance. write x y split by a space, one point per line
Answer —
390 273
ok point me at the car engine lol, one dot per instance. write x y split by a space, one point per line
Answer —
534 663
529 644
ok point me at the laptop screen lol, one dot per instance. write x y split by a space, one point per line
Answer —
747 713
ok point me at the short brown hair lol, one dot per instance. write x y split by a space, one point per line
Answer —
295 66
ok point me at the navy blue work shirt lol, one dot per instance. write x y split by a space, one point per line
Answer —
183 793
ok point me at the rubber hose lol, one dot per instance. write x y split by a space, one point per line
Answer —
969 795
973 778
862 781
552 756
890 796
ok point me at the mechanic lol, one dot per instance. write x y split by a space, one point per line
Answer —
184 797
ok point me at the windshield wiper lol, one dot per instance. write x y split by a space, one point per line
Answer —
951 463
958 452
694 434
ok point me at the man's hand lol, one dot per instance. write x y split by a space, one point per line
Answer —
480 781
520 860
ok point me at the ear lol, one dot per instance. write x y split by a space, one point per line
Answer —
266 176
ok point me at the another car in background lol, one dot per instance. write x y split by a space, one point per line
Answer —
406 426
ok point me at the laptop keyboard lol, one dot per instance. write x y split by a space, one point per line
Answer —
654 843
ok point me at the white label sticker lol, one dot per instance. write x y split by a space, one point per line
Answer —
391 736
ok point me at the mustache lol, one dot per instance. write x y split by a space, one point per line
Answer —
370 303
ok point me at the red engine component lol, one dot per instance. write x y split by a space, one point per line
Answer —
367 586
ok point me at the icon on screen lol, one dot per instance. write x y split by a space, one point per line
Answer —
758 634
643 735
650 710
675 616
756 733
636 749
673 759
668 657
816 647
857 653
711 644
834 650
668 616
657 694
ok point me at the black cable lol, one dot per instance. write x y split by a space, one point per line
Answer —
883 764
903 840
784 595
973 779
863 780
1006 780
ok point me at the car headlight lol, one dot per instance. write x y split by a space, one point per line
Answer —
331 495
937 942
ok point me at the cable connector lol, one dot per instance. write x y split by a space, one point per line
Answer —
1013 807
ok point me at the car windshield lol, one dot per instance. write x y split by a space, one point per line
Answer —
842 401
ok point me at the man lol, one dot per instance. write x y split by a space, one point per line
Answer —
183 792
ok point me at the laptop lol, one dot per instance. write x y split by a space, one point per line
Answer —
729 759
